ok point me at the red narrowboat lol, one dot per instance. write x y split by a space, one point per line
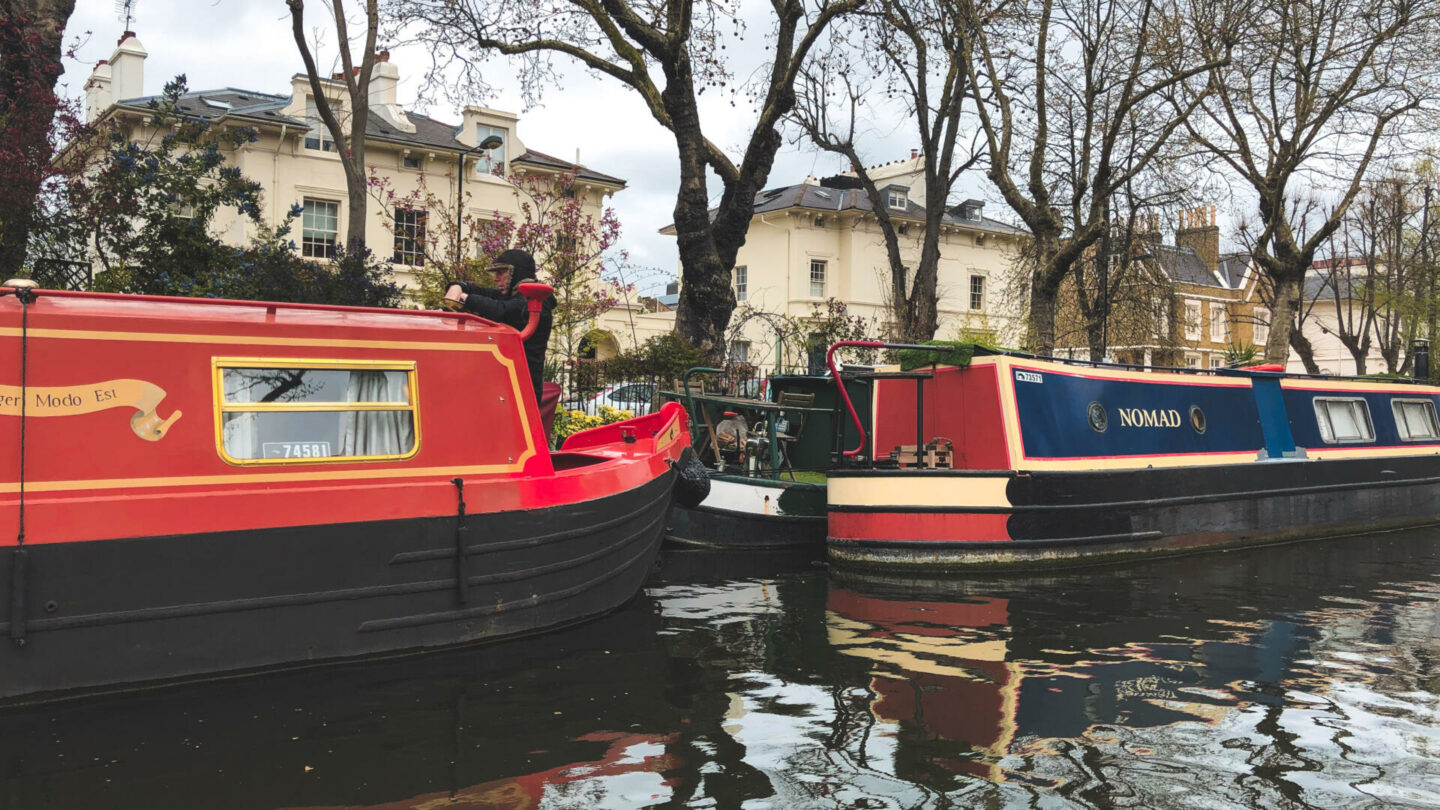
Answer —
194 487
1019 461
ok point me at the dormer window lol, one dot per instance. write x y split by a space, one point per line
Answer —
488 160
897 199
319 136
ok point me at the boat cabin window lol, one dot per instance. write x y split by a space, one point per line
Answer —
1415 419
288 411
1344 420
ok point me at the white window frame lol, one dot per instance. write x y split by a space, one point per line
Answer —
1194 313
823 266
319 133
410 236
1402 425
742 281
739 351
309 245
1323 406
1162 317
897 199
973 292
487 159
1192 360
1219 323
1260 335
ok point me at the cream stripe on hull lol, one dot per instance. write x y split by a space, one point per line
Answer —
906 491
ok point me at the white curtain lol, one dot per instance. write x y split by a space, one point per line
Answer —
376 433
241 439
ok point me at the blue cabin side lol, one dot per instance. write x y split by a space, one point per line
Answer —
1077 417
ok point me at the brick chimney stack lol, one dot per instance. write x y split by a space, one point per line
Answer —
1199 232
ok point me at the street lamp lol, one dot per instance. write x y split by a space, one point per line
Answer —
490 142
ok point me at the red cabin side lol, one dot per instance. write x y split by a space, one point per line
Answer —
962 405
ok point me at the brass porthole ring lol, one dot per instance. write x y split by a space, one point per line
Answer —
1099 420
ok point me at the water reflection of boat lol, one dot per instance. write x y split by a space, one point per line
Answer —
297 512
1148 668
568 714
1033 462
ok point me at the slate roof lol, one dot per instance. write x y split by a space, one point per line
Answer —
1232 269
1185 266
821 199
250 107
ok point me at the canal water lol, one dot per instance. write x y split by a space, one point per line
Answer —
1296 676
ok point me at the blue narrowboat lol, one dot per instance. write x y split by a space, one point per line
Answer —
1047 462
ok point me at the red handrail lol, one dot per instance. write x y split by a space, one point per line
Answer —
845 395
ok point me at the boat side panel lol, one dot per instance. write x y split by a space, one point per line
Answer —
1300 407
142 609
1059 517
962 405
1141 418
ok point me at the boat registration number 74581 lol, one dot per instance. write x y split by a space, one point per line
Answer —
296 449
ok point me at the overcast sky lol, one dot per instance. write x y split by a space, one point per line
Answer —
247 44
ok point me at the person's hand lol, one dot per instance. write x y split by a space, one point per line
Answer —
455 293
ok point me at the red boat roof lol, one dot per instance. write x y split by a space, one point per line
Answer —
193 314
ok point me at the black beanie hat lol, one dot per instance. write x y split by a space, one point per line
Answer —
523 263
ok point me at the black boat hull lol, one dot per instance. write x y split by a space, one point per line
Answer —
1085 517
197 606
758 514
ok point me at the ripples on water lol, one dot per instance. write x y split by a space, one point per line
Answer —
1297 676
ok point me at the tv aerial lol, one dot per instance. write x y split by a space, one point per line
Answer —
126 11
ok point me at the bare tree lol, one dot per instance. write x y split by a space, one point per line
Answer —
1069 96
914 52
668 52
1315 91
349 140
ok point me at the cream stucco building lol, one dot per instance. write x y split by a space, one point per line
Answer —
295 161
819 240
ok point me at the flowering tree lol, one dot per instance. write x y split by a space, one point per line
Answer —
32 117
551 221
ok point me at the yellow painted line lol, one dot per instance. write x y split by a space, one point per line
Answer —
309 475
1342 386
1370 452
252 340
1138 463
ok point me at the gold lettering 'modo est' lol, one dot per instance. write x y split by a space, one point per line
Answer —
1139 417
73 400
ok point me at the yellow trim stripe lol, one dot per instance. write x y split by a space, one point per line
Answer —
253 340
1341 387
309 475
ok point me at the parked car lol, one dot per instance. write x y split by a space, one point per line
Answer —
636 397
755 388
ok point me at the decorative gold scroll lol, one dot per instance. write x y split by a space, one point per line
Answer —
73 400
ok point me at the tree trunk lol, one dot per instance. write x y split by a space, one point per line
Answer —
706 297
1283 314
1042 316
1303 349
31 66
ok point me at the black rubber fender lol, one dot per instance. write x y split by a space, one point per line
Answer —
692 483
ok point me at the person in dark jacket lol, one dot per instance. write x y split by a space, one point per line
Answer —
503 304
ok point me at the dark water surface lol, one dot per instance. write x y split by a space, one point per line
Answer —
1297 676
